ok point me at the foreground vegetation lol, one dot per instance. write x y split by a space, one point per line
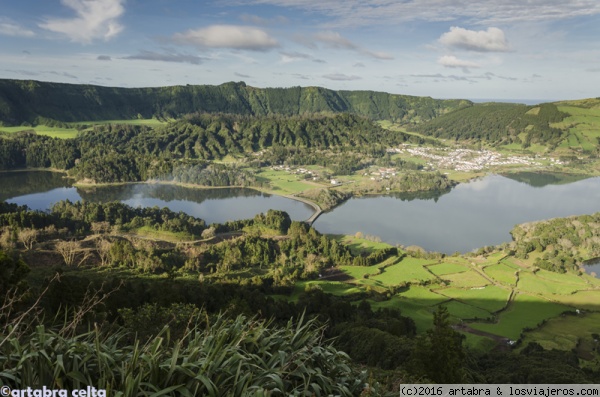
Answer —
388 308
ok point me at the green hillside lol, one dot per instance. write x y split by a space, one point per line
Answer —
499 123
27 101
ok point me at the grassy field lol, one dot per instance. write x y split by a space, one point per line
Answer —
501 273
564 333
525 311
421 314
148 122
447 268
151 233
461 311
66 133
583 125
587 300
530 282
423 296
490 298
468 279
360 245
408 269
54 132
284 182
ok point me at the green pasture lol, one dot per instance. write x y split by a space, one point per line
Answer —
422 295
422 315
463 311
357 272
54 132
336 288
408 269
284 182
583 126
587 300
478 343
563 278
447 268
361 245
564 333
525 311
490 298
467 279
494 258
511 263
153 234
501 273
147 122
530 282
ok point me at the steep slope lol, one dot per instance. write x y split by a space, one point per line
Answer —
33 101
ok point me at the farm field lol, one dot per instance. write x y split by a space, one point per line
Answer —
525 311
490 298
54 132
408 269
564 333
447 268
466 279
284 182
530 282
501 273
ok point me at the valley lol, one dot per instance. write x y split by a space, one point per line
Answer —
421 216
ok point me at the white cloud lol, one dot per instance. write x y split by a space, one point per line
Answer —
95 19
228 36
168 56
450 61
287 57
490 40
341 77
336 41
353 13
10 28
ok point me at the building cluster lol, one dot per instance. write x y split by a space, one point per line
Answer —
465 159
298 171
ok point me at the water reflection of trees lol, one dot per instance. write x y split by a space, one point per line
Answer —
163 192
15 184
541 179
426 195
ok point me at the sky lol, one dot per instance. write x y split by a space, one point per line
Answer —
484 49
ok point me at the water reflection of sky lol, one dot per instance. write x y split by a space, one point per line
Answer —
232 208
472 215
45 200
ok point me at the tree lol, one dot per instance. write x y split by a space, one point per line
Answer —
439 355
69 250
103 247
28 237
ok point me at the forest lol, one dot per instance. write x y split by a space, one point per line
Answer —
35 102
499 123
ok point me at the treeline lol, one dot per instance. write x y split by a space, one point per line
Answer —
499 123
27 101
564 242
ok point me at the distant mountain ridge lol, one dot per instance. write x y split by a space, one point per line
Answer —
29 101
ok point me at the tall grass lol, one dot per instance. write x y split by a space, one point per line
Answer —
230 357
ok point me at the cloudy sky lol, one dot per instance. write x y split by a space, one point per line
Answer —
492 49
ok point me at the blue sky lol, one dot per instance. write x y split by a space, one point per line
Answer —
502 49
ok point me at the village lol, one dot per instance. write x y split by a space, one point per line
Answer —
468 160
